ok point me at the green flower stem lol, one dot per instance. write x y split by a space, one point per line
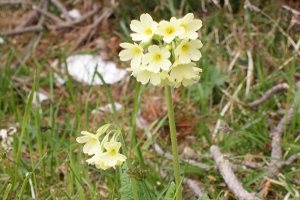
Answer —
174 143
133 139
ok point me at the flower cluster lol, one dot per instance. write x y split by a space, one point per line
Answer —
105 154
164 53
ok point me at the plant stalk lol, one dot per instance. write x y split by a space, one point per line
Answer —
136 105
174 143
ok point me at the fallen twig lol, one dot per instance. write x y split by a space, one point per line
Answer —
196 189
63 9
269 93
32 16
276 154
294 11
38 28
229 177
77 21
89 30
31 46
224 110
48 14
35 28
276 134
249 72
291 159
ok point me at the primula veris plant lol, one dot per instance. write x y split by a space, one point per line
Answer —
164 53
103 146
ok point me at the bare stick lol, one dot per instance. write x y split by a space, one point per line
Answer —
249 72
294 11
223 112
196 189
269 93
63 9
29 29
38 28
232 63
276 154
229 177
70 24
32 16
47 14
292 159
3 2
88 32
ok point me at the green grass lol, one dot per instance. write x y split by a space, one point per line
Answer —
45 149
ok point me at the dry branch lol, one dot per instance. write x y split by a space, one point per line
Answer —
249 72
196 189
276 134
29 29
38 28
63 9
228 175
276 154
223 112
90 30
292 159
269 93
48 14
32 16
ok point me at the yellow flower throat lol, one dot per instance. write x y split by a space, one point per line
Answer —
112 152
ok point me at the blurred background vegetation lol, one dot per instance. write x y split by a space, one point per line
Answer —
234 32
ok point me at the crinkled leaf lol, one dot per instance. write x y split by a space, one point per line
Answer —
125 190
170 195
144 192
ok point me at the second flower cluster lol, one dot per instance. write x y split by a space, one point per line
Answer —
166 52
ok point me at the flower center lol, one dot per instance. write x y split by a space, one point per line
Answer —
137 50
185 47
112 152
170 30
148 31
157 57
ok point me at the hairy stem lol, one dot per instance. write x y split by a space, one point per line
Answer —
174 142
133 139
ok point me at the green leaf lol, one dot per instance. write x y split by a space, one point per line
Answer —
170 195
144 192
125 190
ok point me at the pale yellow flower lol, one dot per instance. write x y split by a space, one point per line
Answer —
133 52
144 29
112 157
169 29
91 140
157 58
92 144
144 76
188 51
190 25
98 161
184 74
